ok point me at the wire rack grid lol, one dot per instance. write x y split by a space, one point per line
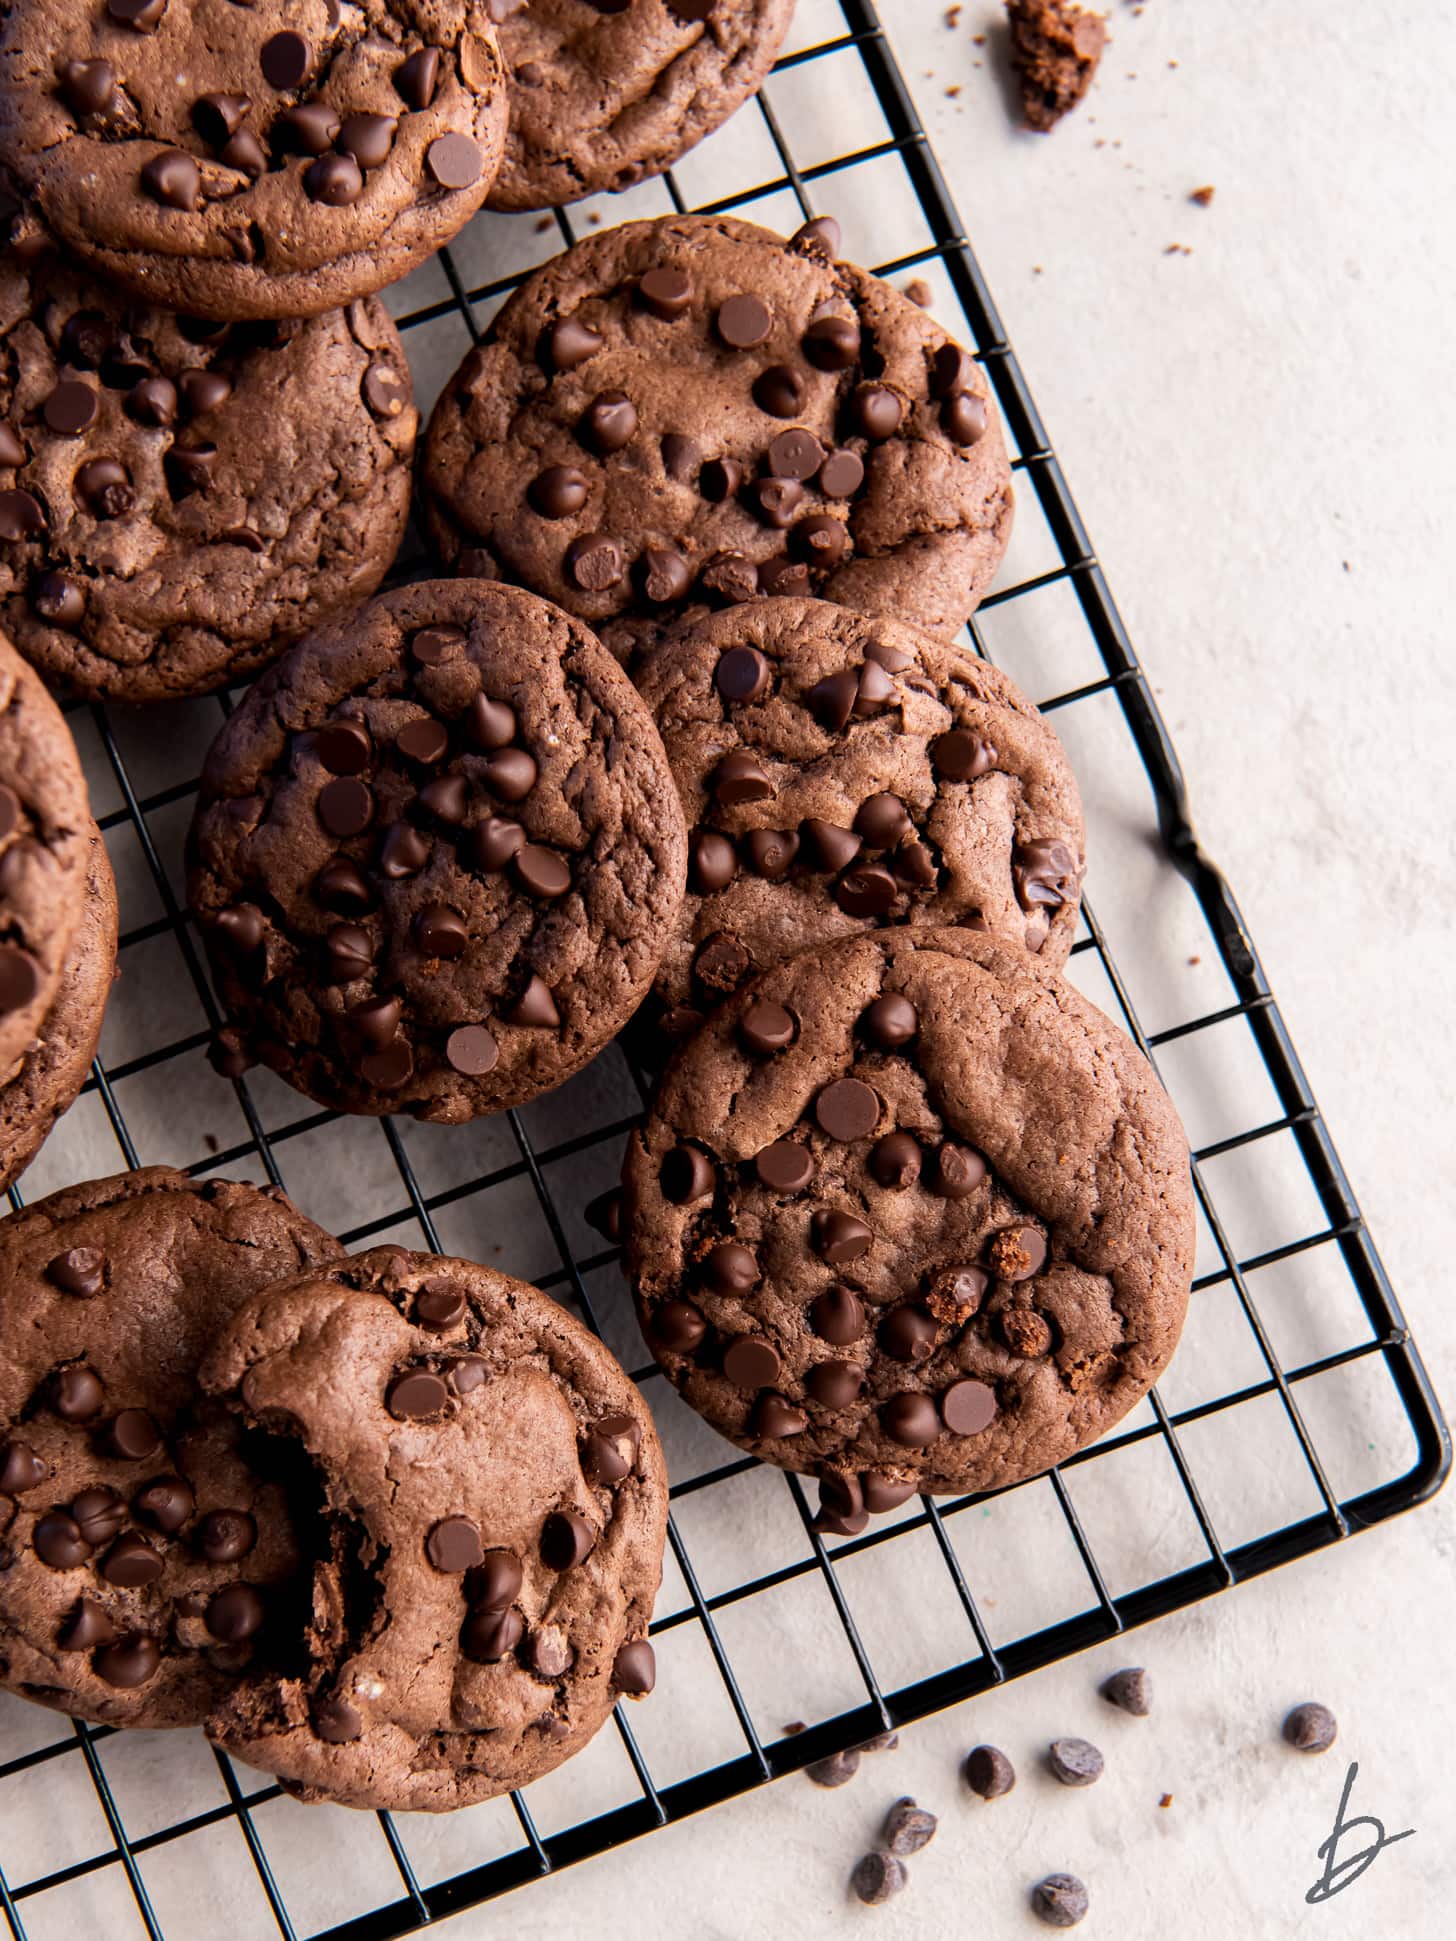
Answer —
1296 1413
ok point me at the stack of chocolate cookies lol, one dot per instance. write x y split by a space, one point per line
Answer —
679 743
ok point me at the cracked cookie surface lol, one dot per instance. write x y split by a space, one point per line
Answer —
144 1556
180 500
840 773
909 1213
260 160
605 96
693 410
494 1508
437 854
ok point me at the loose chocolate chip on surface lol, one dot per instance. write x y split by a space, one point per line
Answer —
752 1362
877 1878
1310 1728
989 1772
1075 1762
890 1022
1130 1691
907 1828
744 321
453 1544
837 1770
415 79
634 1670
336 1721
79 1270
1060 1900
837 1316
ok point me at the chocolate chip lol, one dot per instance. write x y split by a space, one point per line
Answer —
832 343
678 1326
665 575
548 1654
416 79
454 160
751 1362
876 412
832 699
882 820
572 343
1130 1691
336 1721
19 978
1046 874
594 562
779 391
234 1613
604 1214
404 851
340 885
840 1237
841 475
817 237
440 932
1025 1332
822 539
173 179
153 401
730 1268
795 454
128 1662
883 1493
785 1166
766 1027
494 1583
88 86
910 1419
368 138
686 1174
133 1435
335 180
488 1636
131 1562
467 1373
166 1503
610 1450
667 293
104 488
866 890
837 1316
826 846
535 1008
12 451
218 117
285 60
783 579
20 1468
847 1109
189 467
566 1540
71 407
907 1828
415 1394
774 1419
343 747
453 1545
955 1294
741 777
610 422
988 1772
719 479
634 1670
957 1171
79 1271
345 806
743 322
1075 1762
960 756
771 852
541 872
776 500
21 515
58 1542
1310 1728
494 842
1060 1900
712 862
1016 1253
968 1408
742 674
877 1878
85 1625
837 1770
471 1050
835 1384
909 1332
76 1393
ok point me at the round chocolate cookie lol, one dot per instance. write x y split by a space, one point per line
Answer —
54 1070
839 773
144 1551
909 1213
606 93
45 831
437 854
693 409
179 500
249 160
485 1568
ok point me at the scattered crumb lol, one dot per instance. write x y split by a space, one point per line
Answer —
543 223
1172 63
953 94
793 1728
210 1140
1178 249
1195 960
952 16
1037 270
1202 196
1166 1800
978 40
1055 48
594 217
920 292
1346 564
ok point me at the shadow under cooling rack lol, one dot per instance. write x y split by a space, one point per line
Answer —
1296 1412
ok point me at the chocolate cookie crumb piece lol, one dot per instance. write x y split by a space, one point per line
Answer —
907 1828
882 1742
878 1878
1055 48
837 1770
1060 1900
1310 1728
1130 1691
1166 1800
1202 196
989 1772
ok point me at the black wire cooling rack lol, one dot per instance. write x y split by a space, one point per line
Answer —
1296 1346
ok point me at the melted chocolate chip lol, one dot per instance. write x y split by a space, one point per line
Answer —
453 1545
677 1326
957 1172
910 1419
712 862
79 1270
751 1362
416 79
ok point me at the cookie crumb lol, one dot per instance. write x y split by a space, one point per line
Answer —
1202 196
1166 1800
920 292
1055 48
952 17
953 94
543 223
837 1770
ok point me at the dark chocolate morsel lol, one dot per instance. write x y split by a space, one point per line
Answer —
686 1174
766 1027
634 1671
910 1419
968 1407
837 1316
453 1545
840 1237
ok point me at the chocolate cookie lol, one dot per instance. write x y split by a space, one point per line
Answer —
54 1070
437 854
692 409
145 1553
249 160
491 1543
910 1214
606 93
178 500
45 829
839 773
